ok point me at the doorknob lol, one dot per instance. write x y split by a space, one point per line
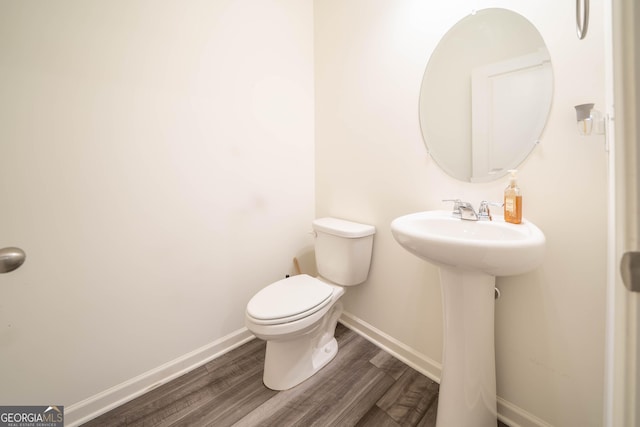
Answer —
10 259
630 270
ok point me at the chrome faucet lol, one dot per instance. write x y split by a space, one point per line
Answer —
464 210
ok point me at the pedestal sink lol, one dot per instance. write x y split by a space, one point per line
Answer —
469 254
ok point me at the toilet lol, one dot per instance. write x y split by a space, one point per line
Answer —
297 316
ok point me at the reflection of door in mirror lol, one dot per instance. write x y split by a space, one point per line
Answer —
498 120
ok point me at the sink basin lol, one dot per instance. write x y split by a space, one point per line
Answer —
496 247
469 254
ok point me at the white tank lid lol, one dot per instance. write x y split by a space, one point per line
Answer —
343 228
289 297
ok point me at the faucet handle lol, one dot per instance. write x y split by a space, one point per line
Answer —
484 212
486 203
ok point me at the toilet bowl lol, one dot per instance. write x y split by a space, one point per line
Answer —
297 316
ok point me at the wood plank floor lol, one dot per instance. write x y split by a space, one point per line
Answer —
362 386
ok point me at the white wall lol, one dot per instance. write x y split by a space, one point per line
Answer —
371 166
156 165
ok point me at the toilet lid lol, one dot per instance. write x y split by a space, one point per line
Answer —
289 297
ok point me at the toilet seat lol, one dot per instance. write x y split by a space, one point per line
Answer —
289 299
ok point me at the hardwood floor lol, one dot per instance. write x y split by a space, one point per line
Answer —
362 386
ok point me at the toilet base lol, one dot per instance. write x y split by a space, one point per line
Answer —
288 363
292 359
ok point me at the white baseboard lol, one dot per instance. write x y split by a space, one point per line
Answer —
507 412
515 416
418 361
96 405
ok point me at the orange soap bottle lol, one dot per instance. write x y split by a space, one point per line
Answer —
513 200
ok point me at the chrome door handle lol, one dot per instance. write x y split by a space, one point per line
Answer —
630 270
10 259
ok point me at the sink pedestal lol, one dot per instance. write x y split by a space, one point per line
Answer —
468 381
470 254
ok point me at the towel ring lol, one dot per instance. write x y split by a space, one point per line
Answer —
582 18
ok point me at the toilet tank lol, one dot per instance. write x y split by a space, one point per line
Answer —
343 250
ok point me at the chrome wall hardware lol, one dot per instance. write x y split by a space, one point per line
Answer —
582 18
11 258
630 270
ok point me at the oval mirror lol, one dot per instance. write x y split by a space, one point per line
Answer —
486 95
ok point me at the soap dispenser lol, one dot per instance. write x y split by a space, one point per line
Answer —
513 200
